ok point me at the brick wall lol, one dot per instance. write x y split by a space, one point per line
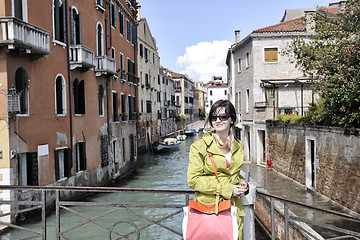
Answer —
337 165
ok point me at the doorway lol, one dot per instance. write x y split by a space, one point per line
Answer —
310 163
261 147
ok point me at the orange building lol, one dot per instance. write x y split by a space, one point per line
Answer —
68 89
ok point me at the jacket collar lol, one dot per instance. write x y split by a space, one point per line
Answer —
211 146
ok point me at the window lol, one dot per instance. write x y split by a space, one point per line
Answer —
62 163
128 30
141 50
80 156
115 106
104 145
121 20
121 61
271 55
131 110
142 106
99 39
210 92
211 102
146 54
75 27
123 107
59 21
28 169
148 107
101 100
79 96
60 95
153 58
112 15
247 99
22 89
225 92
112 52
132 148
239 65
247 60
123 148
20 9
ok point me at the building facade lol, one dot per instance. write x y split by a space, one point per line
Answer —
68 76
216 90
149 87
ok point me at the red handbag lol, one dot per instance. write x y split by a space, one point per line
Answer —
204 221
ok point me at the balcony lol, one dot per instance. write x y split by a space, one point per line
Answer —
20 36
81 57
105 65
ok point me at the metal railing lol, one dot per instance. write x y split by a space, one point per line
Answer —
51 197
292 218
67 206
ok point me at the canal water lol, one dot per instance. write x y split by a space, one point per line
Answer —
157 171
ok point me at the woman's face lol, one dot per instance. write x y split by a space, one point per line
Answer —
220 120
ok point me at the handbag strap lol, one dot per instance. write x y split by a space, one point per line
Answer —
217 177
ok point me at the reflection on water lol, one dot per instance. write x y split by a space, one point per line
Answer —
159 171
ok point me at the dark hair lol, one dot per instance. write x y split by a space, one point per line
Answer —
229 110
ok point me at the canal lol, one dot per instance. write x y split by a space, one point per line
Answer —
157 171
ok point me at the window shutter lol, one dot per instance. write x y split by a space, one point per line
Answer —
72 27
110 14
271 55
56 164
83 156
63 22
67 163
82 97
32 168
78 29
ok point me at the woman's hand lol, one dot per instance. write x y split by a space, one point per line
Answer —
239 190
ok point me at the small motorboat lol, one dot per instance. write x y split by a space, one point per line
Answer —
181 137
168 144
190 132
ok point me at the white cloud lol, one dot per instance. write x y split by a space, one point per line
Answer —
203 61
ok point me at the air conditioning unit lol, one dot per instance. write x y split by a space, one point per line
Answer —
13 101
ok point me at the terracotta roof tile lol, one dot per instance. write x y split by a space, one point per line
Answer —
218 85
295 25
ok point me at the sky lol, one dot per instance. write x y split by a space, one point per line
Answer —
193 36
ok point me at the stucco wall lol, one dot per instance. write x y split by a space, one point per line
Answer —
337 159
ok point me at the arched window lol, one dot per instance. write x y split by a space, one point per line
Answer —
59 20
75 27
79 96
22 88
60 95
99 39
101 100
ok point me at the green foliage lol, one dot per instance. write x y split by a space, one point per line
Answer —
202 113
332 61
288 118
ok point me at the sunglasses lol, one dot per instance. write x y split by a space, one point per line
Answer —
222 117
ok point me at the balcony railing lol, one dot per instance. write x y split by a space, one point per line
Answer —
20 35
105 65
81 56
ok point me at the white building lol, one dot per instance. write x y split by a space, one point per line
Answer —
216 90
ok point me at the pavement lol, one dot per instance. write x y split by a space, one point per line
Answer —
275 183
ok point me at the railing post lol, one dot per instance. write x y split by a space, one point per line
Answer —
249 219
286 213
272 219
43 214
57 211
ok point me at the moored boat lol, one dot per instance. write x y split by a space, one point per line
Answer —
168 144
190 132
181 137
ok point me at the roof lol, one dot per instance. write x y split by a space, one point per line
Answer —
295 25
218 85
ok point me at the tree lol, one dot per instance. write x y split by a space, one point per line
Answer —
331 60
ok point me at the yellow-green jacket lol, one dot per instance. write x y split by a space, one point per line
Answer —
201 176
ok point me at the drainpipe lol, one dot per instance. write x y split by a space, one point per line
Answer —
107 79
69 81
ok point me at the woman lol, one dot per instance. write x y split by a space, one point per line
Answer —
227 152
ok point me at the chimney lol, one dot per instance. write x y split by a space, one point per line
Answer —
138 16
237 36
310 21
